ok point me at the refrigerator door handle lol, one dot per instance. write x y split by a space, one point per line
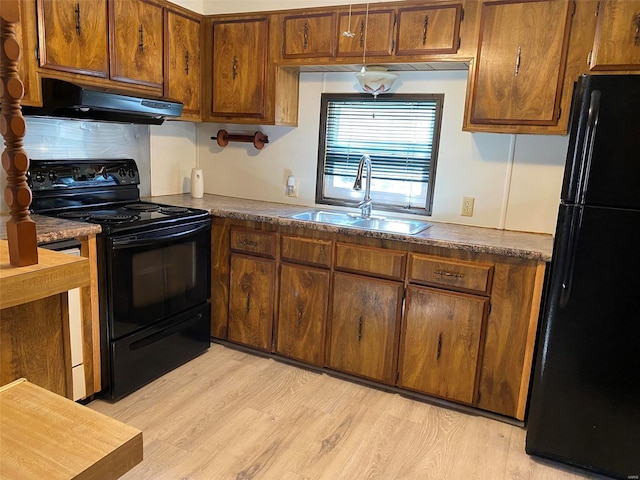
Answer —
570 255
587 151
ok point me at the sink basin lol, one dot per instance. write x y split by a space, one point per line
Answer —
379 224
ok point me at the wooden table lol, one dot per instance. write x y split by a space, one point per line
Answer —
46 436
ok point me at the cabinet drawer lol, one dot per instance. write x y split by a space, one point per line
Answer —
373 261
254 242
475 277
306 250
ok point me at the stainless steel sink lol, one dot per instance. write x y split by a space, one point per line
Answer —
379 224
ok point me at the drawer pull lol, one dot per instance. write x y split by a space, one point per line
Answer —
78 26
248 302
439 346
305 36
249 243
424 29
360 323
444 273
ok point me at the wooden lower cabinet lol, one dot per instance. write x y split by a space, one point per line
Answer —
441 343
251 301
364 326
302 312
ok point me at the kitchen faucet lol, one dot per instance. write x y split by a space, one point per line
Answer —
366 204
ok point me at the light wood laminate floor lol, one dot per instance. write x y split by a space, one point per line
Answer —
232 415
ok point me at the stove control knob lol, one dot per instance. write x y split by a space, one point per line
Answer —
53 176
122 172
39 177
132 172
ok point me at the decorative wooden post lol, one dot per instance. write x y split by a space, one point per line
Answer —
21 230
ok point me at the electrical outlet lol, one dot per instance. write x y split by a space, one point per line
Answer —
467 206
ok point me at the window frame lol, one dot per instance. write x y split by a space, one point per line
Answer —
320 178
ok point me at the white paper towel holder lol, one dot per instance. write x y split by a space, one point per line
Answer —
197 183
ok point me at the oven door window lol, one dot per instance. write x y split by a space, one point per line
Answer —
155 276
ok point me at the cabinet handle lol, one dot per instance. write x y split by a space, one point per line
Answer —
140 39
439 346
636 36
248 243
300 310
360 324
248 302
444 273
361 33
424 29
186 63
78 26
234 68
305 35
518 61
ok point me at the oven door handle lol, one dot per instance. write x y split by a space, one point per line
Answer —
153 238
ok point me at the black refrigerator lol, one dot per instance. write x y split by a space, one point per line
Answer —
585 400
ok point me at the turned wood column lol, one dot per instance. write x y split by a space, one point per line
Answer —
21 230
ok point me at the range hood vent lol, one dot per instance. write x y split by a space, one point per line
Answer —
68 100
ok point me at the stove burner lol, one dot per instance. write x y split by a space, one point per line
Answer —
142 207
74 215
172 210
112 218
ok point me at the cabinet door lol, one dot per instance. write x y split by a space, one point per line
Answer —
364 320
375 31
441 342
304 295
182 62
137 42
251 301
519 71
73 36
308 36
239 66
428 30
617 40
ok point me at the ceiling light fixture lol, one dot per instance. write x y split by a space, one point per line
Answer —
374 79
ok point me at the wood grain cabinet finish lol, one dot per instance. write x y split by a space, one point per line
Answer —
137 42
239 57
182 62
441 343
308 36
617 40
448 273
251 293
375 32
302 313
517 79
364 327
73 36
307 251
253 242
379 262
427 30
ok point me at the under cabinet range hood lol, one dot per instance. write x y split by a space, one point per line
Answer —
68 100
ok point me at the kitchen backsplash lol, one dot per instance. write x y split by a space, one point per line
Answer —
72 139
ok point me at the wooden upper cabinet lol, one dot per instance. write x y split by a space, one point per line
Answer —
520 62
182 62
73 36
309 35
136 29
617 40
440 346
428 30
374 31
239 57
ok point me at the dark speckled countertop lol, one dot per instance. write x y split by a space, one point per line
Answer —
50 229
533 246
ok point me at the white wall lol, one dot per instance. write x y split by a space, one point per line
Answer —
212 7
173 155
515 180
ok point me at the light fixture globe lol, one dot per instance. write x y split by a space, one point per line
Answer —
376 79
